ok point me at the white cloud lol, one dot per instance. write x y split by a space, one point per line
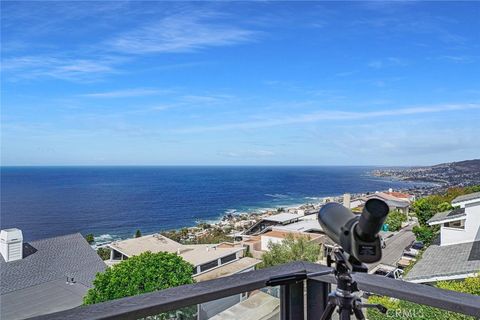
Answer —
246 154
60 67
329 115
137 92
180 33
387 62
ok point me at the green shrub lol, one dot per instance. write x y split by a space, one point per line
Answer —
395 220
401 309
291 249
104 253
90 238
426 234
146 272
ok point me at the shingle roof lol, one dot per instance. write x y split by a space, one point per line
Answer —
447 215
51 259
466 197
37 283
446 261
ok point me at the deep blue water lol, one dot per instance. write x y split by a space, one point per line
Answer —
50 201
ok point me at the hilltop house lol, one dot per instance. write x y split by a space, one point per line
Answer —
457 254
44 276
210 261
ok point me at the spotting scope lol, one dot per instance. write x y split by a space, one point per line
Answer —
357 235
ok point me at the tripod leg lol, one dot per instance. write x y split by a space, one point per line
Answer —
345 313
327 314
358 313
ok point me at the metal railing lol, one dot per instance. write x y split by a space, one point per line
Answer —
294 303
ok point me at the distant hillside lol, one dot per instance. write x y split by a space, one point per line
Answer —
461 173
461 166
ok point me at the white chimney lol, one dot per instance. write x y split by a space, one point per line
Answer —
11 244
346 200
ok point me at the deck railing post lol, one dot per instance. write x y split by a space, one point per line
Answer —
292 302
317 296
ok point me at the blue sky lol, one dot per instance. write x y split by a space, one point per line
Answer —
236 83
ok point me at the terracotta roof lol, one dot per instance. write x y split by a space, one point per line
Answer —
399 194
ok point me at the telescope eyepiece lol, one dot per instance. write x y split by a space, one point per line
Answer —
371 221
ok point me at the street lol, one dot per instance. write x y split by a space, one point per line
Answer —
395 246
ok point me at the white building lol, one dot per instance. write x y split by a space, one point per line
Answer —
462 224
204 257
210 261
457 255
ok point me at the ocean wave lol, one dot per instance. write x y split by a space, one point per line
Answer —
277 195
104 239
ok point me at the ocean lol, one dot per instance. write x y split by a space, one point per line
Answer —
112 202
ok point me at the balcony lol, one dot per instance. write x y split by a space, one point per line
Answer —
301 296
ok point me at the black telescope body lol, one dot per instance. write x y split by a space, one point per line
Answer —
358 236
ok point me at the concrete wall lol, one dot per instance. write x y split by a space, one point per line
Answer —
266 240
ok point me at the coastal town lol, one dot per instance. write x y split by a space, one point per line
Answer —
239 243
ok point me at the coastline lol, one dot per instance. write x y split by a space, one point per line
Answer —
234 221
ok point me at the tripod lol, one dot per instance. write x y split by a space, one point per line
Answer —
343 296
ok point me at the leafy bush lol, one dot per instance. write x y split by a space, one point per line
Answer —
90 238
395 219
425 234
291 249
469 285
139 274
104 253
400 309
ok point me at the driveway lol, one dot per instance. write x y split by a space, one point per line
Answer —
395 246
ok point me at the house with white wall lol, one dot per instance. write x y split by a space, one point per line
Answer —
462 224
457 253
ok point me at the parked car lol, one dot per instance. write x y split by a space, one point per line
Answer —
413 249
388 271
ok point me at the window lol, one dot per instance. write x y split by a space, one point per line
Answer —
209 265
117 255
460 224
228 258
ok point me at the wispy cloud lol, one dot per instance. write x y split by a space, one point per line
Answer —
458 59
184 32
387 62
123 93
248 154
329 115
60 67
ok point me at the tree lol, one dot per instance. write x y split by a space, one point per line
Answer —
395 219
139 274
425 208
104 253
425 234
138 233
292 248
444 206
90 238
